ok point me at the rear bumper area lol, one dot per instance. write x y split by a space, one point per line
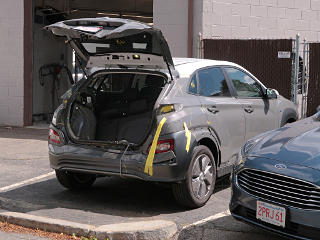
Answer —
167 167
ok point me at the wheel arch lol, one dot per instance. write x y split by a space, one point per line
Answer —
204 137
289 115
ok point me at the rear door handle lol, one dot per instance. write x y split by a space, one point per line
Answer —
213 109
248 109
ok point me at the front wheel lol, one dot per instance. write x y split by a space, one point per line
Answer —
196 190
75 180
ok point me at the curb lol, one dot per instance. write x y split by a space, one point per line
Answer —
142 230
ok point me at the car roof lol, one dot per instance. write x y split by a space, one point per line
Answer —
187 66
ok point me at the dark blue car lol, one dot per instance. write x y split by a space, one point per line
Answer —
276 180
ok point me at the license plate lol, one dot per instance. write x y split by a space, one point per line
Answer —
271 214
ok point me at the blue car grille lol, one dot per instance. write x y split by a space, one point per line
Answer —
280 189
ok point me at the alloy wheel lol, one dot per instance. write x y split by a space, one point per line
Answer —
202 176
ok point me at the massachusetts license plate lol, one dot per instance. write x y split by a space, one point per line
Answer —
271 214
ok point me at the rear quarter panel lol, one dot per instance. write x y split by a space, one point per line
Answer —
189 109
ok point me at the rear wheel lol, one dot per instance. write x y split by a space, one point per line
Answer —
196 190
75 180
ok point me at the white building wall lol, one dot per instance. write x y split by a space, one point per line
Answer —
11 62
261 19
171 17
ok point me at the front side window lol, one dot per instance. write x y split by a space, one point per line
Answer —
213 83
244 85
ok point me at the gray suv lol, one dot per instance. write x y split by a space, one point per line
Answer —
138 113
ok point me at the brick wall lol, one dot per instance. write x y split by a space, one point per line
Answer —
11 62
261 19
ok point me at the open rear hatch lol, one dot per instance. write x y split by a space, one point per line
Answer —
113 42
115 106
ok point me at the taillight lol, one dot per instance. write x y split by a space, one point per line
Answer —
164 146
54 136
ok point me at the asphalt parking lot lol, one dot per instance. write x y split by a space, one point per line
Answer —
28 185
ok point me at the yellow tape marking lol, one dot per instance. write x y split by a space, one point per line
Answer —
149 162
188 136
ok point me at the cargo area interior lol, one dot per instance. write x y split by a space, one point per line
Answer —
115 107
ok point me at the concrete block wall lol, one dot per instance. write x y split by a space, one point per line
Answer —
171 17
261 19
11 62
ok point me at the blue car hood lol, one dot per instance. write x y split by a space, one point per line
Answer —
297 143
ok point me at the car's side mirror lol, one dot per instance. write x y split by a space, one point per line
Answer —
271 93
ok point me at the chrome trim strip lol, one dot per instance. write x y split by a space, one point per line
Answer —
247 180
278 189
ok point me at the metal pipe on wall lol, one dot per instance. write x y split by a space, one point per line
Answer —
303 79
190 27
296 70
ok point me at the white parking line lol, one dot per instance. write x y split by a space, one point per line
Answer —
26 182
211 218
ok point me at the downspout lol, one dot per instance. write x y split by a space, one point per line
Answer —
190 27
27 61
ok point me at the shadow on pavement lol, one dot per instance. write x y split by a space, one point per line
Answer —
225 228
109 195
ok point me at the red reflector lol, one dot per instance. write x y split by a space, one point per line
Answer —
164 146
54 136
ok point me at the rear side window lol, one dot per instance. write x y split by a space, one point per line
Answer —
244 85
213 83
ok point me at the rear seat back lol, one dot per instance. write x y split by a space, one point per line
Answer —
129 126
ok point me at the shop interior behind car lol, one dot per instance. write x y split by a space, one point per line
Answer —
54 63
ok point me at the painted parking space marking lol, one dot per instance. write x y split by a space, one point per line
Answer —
208 219
26 182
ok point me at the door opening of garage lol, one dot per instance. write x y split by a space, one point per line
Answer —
53 60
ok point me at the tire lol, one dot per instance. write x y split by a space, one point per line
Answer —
199 184
75 180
